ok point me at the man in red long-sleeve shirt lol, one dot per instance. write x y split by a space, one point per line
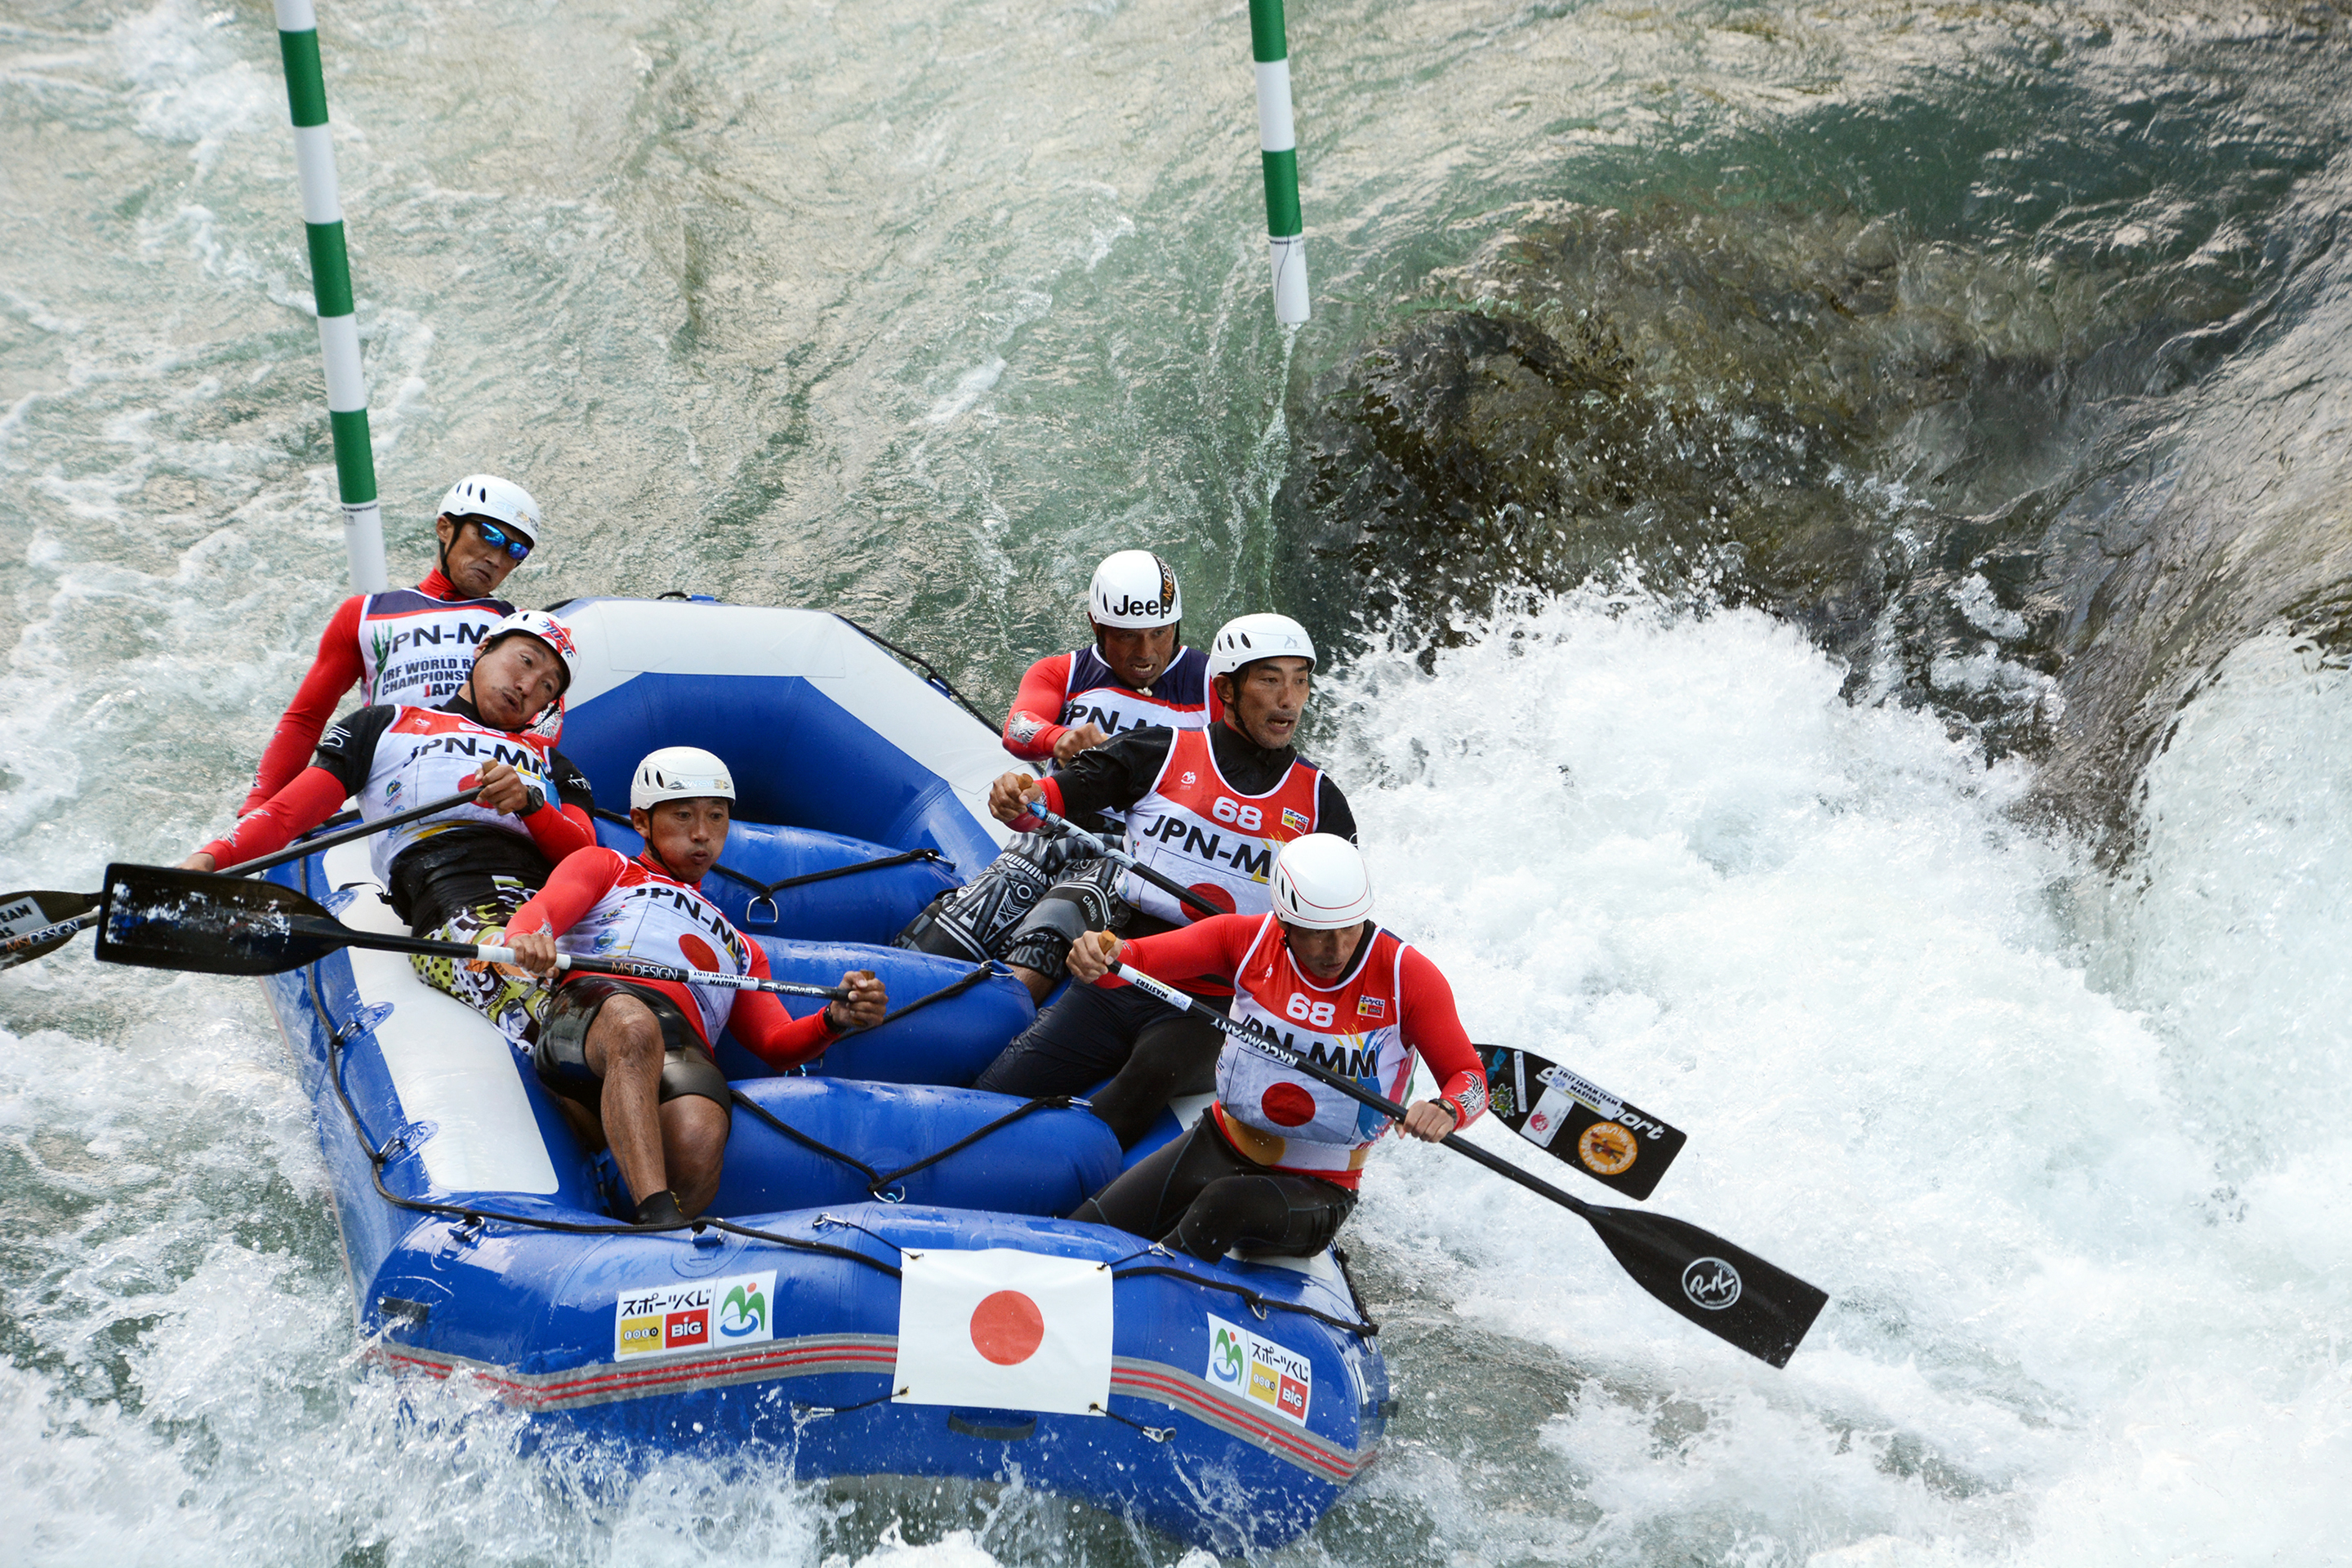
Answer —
413 646
1274 1163
454 875
633 1058
1138 675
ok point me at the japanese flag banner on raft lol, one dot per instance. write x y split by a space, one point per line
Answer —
1003 1330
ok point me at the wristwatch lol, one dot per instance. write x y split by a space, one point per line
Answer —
1453 1105
532 801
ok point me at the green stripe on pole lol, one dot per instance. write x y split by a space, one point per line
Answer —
330 268
306 82
1266 41
1282 219
355 460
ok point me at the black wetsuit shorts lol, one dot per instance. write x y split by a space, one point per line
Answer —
561 1053
1202 1195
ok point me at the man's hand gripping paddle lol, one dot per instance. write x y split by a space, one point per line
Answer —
33 923
164 918
1728 1292
1118 857
1606 1136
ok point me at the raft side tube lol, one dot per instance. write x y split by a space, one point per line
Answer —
1216 1466
868 906
946 1042
1046 1163
819 725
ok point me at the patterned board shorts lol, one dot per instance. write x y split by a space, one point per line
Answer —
1024 907
515 1003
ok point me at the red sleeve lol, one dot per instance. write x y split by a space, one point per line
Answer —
314 796
1431 1025
579 881
1214 946
768 1032
1035 723
334 671
561 831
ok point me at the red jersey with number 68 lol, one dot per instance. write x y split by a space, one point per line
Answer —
1367 1023
1199 830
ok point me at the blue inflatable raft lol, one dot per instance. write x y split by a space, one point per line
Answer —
1241 1399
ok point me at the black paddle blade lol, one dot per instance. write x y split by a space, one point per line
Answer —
34 922
164 918
1728 1290
1614 1142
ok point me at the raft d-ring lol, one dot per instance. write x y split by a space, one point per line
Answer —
1258 1306
753 916
896 1192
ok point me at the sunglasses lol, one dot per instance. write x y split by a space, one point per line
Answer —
499 539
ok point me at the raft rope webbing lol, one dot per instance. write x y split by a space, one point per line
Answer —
765 892
930 673
1362 1327
379 1156
954 988
1255 1300
878 1181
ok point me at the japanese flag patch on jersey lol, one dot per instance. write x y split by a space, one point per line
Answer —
1258 1372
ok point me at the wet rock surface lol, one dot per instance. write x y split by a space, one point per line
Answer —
1937 462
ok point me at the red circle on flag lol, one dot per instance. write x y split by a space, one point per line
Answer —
1287 1105
1208 893
1007 1328
697 951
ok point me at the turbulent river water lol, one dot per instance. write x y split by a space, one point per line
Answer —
1961 435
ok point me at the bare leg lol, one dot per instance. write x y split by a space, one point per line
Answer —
624 1049
1038 984
693 1142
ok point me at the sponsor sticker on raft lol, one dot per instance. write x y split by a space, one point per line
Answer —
1257 1371
671 1317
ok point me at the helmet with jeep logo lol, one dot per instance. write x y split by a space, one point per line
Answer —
1134 589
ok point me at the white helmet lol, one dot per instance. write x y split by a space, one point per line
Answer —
1265 635
547 630
1134 588
501 501
1319 882
679 773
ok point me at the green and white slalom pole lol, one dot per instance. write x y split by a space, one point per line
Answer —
330 282
1277 142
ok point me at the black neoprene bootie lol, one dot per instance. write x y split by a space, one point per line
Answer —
661 1209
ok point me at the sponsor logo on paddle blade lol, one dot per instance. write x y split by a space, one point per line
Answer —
1711 1283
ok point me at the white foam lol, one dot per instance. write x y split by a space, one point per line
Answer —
1664 850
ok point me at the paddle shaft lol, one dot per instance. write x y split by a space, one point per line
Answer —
631 968
32 940
1118 857
296 851
32 943
1299 1061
